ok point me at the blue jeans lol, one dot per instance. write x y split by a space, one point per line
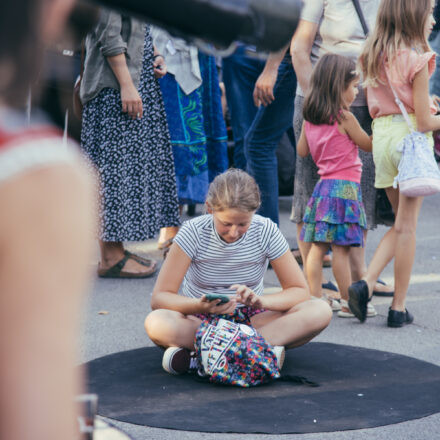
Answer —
262 139
240 73
434 82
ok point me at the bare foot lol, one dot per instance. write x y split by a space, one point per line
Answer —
166 234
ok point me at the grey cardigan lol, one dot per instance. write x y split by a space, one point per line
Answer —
113 35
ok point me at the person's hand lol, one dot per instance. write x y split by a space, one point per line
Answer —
160 68
263 91
216 307
131 101
247 296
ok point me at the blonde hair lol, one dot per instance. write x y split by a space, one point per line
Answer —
399 23
233 189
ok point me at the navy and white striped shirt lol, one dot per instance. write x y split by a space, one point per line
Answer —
216 265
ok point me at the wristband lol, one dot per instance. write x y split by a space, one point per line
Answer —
156 56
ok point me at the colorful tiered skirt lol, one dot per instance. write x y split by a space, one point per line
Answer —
335 214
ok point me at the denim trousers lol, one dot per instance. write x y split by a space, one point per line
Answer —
240 73
262 139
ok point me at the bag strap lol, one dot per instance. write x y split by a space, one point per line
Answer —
298 380
399 102
360 14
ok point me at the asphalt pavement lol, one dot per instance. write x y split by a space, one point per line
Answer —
115 311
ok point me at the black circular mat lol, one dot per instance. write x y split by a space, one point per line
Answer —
359 388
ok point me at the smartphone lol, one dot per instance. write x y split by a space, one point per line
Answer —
213 296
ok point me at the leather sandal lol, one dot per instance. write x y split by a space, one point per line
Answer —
117 272
382 292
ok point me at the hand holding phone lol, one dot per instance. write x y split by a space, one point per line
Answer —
213 296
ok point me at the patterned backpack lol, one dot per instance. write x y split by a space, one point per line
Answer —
233 353
230 351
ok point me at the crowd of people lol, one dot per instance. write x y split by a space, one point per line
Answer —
154 139
343 104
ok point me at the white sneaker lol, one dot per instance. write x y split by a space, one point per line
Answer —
335 305
280 353
371 311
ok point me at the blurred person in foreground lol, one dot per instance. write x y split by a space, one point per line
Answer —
46 230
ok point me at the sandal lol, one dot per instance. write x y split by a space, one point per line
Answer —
371 311
332 302
327 261
382 292
117 272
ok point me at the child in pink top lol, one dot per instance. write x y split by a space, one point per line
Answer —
335 214
397 51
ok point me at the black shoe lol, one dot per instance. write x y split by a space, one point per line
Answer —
330 286
358 299
399 319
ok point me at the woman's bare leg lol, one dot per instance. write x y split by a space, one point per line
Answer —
405 248
295 327
46 245
304 247
358 265
341 269
168 328
386 248
314 268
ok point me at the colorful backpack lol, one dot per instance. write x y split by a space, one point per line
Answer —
233 353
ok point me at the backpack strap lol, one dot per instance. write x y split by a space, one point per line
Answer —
399 102
298 380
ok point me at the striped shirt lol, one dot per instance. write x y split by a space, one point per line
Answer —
216 265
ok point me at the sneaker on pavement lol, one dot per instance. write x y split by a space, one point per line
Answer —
178 360
280 353
399 319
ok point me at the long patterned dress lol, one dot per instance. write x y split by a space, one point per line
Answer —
134 159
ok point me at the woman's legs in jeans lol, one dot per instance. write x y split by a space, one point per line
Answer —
240 73
399 242
263 137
